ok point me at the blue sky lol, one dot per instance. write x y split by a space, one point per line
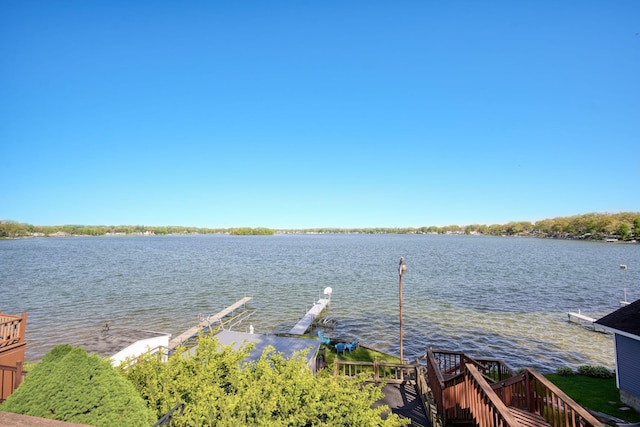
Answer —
307 114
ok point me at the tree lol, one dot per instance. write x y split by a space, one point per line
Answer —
636 227
12 229
623 230
71 385
248 231
220 388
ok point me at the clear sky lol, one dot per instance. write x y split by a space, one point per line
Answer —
303 114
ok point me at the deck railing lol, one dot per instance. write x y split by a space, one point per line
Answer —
483 391
12 344
394 373
435 380
377 371
445 374
533 392
495 369
12 330
483 404
426 395
453 363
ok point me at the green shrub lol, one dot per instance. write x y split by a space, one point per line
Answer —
595 371
220 387
565 371
71 385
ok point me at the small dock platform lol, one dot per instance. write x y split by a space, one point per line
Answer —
304 323
187 335
583 319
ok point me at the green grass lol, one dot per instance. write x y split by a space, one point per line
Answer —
362 354
597 394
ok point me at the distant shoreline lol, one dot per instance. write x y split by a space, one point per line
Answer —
623 227
307 233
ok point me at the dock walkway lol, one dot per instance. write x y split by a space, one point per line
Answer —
586 320
304 323
187 335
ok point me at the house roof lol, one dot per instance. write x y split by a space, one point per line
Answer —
625 320
285 345
111 341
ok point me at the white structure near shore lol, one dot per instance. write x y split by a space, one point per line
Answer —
121 344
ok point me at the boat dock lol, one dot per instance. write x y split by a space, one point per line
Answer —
208 322
304 323
583 319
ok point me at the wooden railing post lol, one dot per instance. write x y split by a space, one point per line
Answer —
552 402
528 387
17 379
23 325
483 403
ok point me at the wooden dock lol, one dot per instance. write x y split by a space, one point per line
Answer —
586 320
304 323
187 335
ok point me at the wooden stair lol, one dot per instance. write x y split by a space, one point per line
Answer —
528 419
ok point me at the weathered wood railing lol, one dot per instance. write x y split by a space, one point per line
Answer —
377 371
483 404
12 330
495 369
10 378
445 373
533 392
12 345
393 373
486 391
426 395
453 363
435 379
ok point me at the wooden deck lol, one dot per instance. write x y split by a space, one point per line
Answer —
12 348
304 323
187 335
404 400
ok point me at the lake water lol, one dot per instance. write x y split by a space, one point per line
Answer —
488 296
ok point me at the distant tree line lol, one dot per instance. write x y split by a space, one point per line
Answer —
593 226
248 231
12 229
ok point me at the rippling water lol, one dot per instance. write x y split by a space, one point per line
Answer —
488 296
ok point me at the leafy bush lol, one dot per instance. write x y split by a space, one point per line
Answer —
565 371
71 385
219 387
595 371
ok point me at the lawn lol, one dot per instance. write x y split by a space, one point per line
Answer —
597 394
362 354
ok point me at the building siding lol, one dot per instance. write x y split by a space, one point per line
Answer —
627 353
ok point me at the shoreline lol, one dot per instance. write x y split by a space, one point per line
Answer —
306 233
